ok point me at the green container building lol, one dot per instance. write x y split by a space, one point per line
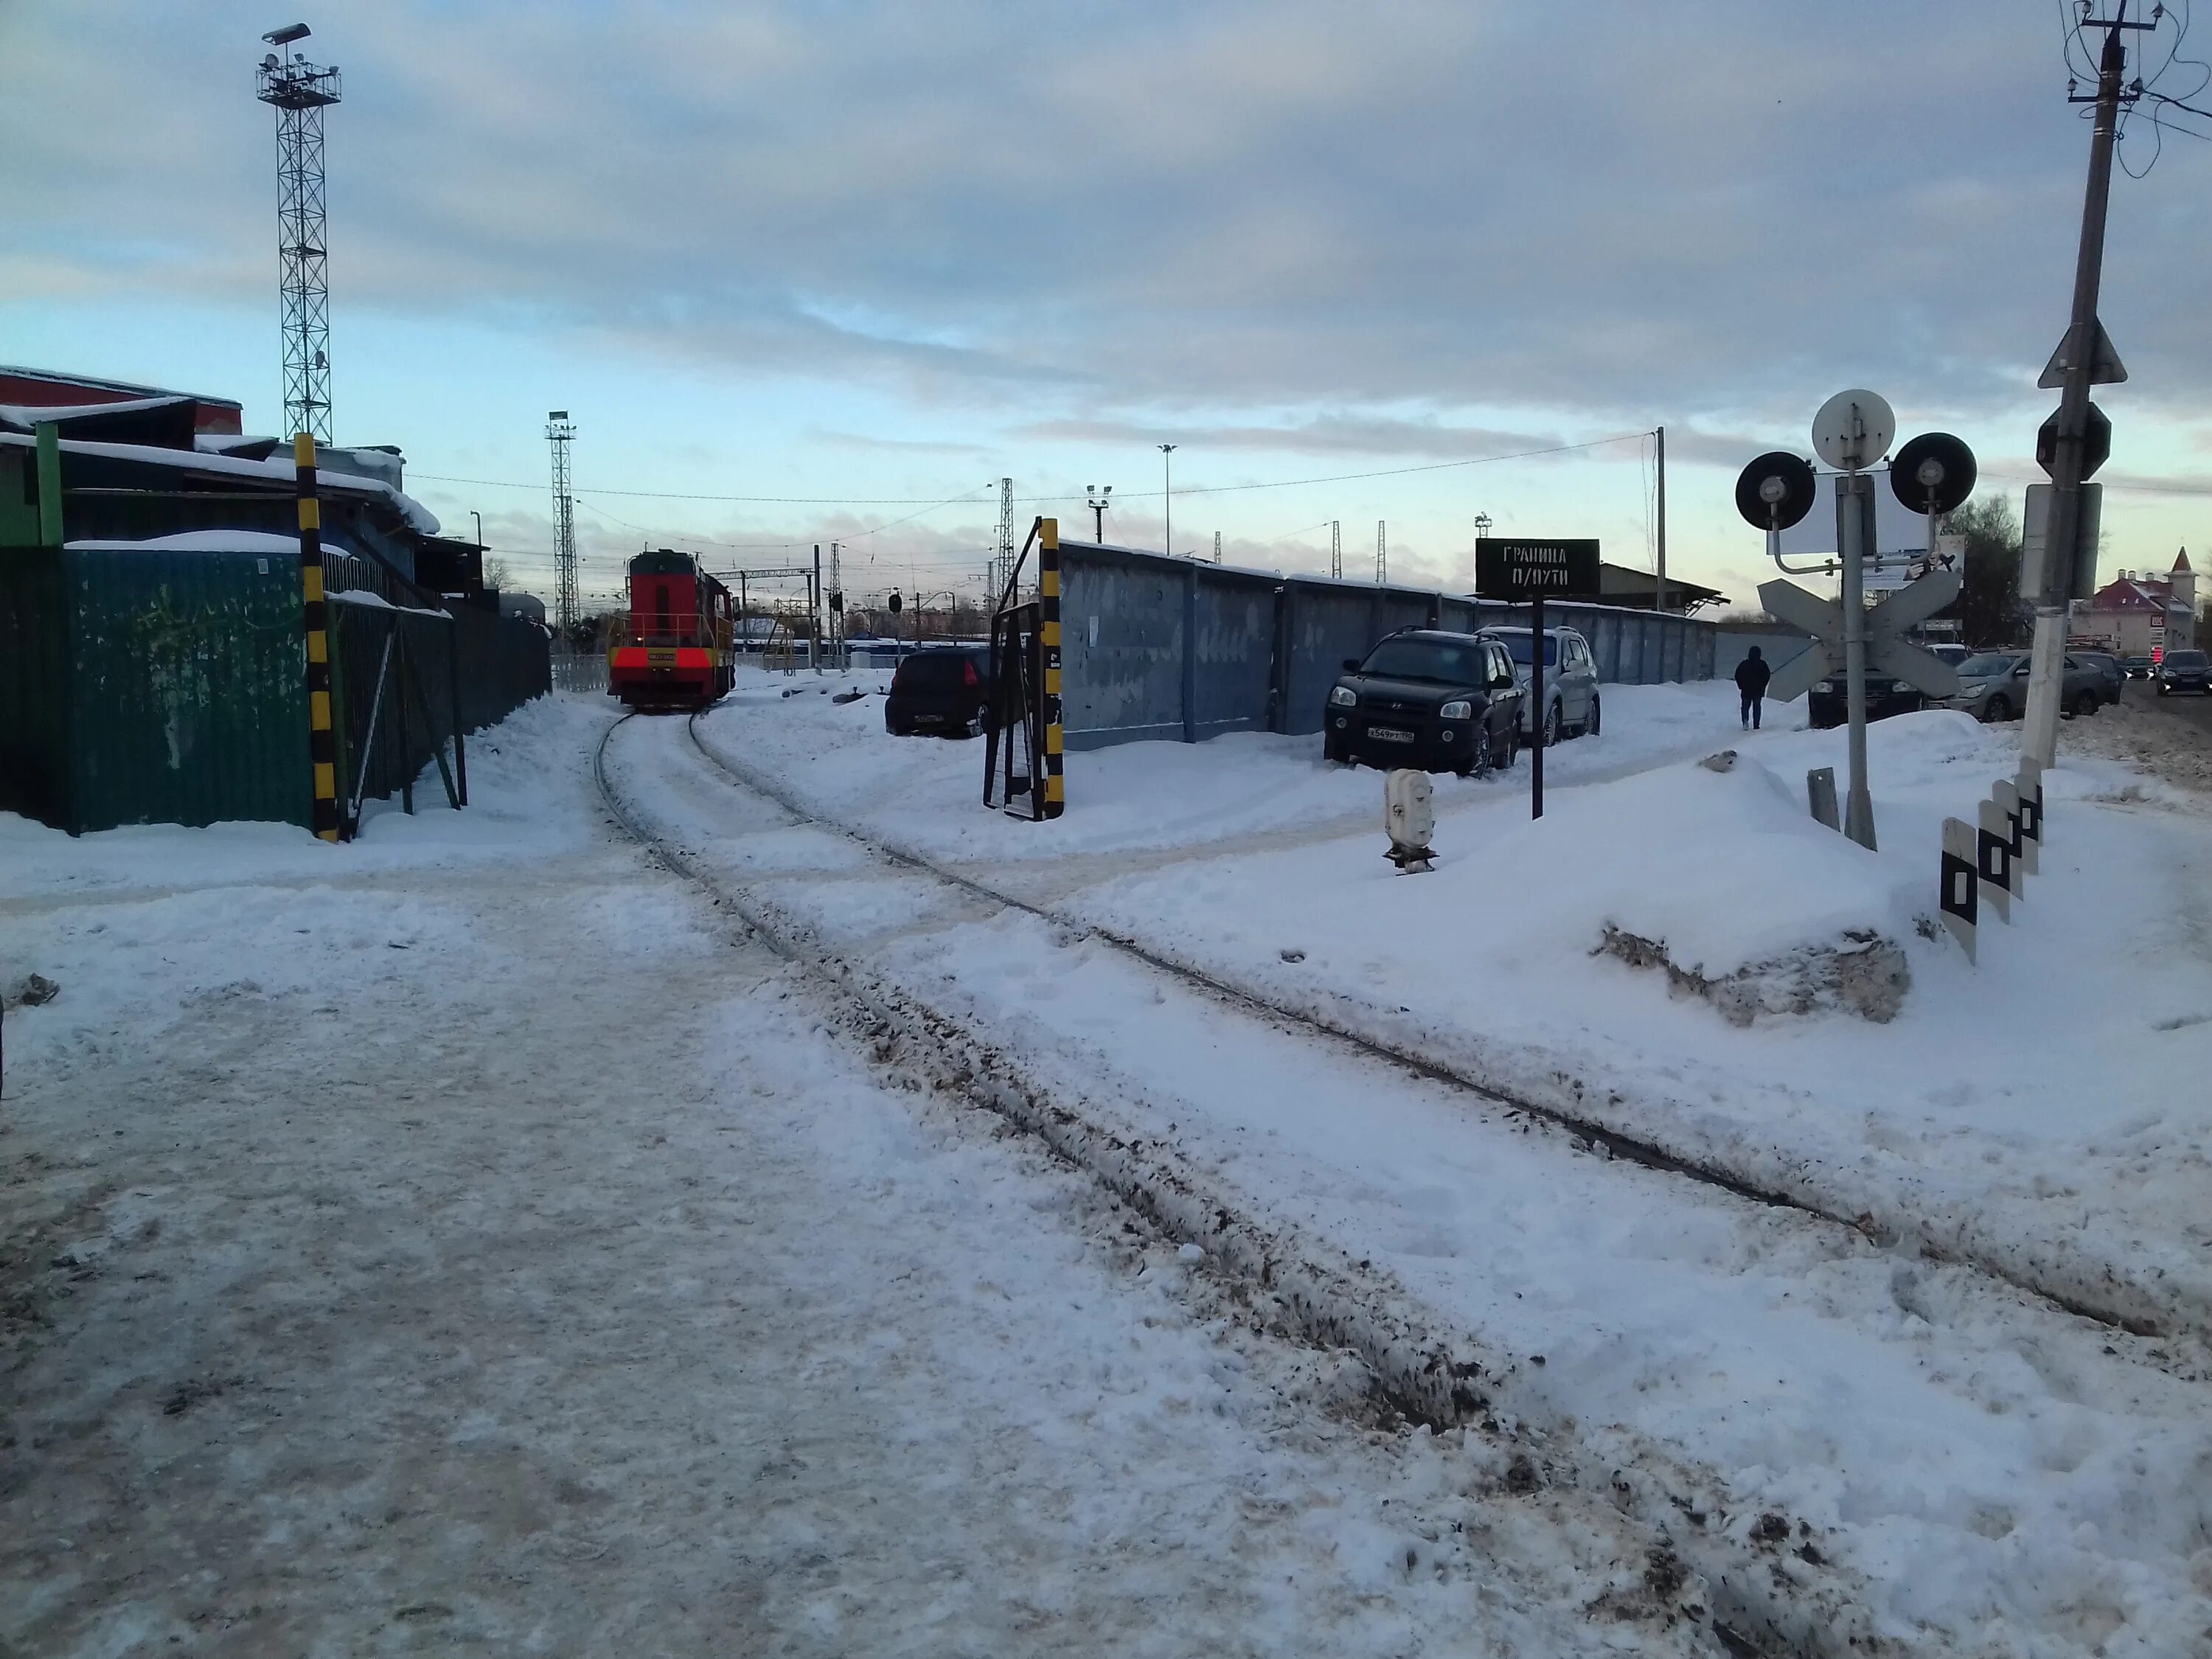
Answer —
152 682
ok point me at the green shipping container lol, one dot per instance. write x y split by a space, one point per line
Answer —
144 684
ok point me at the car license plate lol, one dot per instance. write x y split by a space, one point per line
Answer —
1388 734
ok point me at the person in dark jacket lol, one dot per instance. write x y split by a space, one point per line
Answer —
1752 675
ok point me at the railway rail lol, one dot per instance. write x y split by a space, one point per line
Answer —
1303 1288
2134 1320
1431 1372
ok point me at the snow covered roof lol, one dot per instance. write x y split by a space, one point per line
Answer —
24 417
202 541
276 470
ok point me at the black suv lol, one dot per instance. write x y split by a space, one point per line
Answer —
1424 698
939 688
2184 671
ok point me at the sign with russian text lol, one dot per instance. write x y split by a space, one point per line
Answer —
1525 570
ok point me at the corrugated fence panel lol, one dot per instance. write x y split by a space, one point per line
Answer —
1263 650
1121 645
188 688
1236 650
35 702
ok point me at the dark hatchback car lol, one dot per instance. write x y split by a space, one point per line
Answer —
1826 705
940 688
1427 699
2185 671
2112 678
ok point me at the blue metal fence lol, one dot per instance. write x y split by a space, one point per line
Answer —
1154 646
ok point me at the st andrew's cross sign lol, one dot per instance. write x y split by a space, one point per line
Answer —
1523 570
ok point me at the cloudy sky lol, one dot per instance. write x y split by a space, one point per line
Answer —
869 258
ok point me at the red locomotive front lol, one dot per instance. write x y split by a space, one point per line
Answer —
673 649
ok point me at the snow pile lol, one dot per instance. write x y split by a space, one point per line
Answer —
925 793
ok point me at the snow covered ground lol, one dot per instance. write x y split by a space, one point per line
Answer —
762 1346
2003 1477
460 1238
2042 1113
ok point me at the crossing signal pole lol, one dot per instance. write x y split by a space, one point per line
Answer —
2084 358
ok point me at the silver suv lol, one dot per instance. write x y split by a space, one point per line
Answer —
1570 693
1993 686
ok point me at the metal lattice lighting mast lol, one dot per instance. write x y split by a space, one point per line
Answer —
300 92
1336 548
1003 571
560 432
1381 555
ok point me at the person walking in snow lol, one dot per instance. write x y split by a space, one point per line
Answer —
1752 675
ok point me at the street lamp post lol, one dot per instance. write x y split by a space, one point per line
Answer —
1096 500
1481 529
1167 495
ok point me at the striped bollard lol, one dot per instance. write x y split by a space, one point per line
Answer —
1959 900
1993 860
322 741
2029 784
1055 796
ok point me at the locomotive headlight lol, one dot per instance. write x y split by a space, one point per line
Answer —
1458 710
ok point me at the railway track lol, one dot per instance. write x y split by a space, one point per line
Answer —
1431 1370
2132 1320
1300 1287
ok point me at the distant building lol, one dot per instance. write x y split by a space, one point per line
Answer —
1630 589
39 388
2139 614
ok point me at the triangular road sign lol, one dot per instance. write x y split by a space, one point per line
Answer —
2105 366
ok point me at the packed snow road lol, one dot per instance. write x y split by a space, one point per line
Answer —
466 1238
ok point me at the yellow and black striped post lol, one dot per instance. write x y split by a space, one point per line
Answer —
1055 795
322 741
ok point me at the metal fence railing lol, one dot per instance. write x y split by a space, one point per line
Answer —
579 671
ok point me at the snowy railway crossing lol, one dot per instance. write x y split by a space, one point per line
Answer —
727 1194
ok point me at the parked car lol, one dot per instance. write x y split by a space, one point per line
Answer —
1953 654
2108 665
939 688
1827 703
1426 698
2185 671
1570 690
1993 686
2140 668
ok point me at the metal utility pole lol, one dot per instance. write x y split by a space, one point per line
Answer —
837 608
1382 555
561 433
1167 496
1659 586
814 613
2085 358
1004 555
1336 549
300 92
1482 522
